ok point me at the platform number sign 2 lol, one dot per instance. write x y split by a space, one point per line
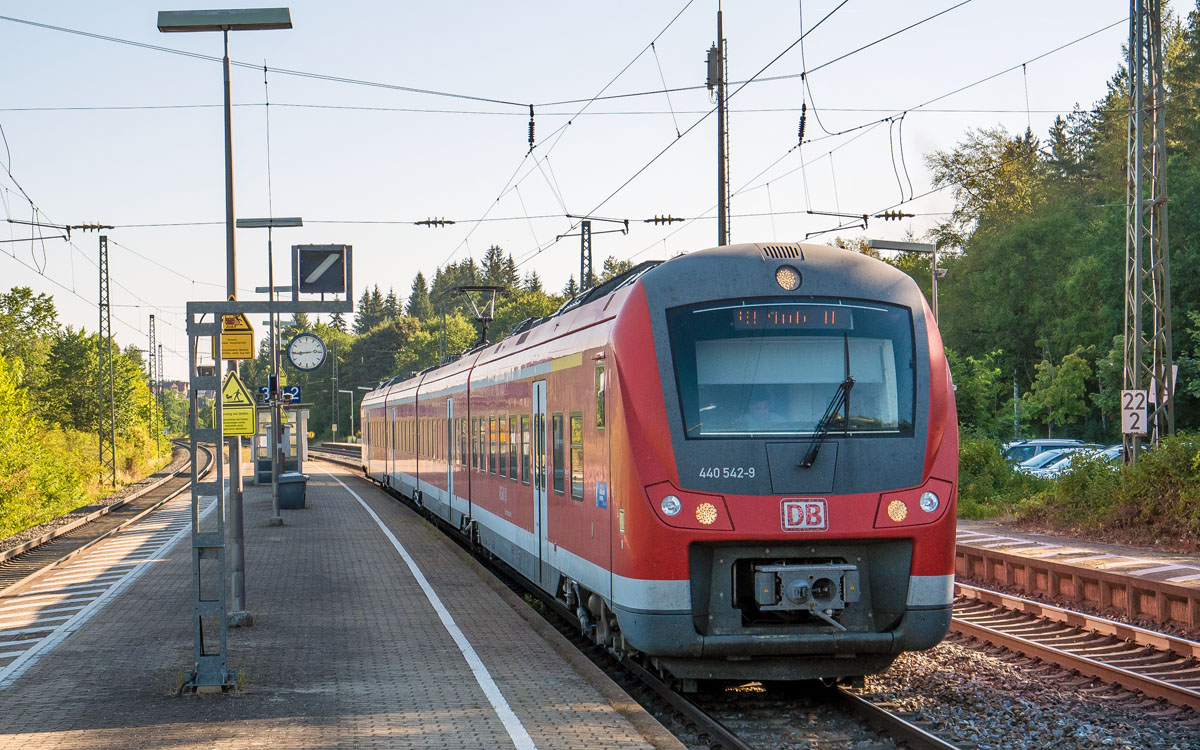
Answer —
1134 412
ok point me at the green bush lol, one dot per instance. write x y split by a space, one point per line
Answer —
1083 496
1159 498
988 486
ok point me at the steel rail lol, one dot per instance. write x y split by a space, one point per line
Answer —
893 725
1000 627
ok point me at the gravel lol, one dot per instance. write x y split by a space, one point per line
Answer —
973 698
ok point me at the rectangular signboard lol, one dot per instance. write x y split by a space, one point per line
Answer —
321 269
237 338
1135 407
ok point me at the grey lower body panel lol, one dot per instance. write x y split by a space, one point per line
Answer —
822 652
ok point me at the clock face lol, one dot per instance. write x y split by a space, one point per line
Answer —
306 352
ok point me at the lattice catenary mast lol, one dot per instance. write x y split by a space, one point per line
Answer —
1148 355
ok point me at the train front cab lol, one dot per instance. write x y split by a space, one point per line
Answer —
761 567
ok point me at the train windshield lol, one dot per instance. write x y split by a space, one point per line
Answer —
765 368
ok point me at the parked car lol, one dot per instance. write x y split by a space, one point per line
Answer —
1020 451
1062 464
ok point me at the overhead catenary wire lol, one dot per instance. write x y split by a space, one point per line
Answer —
864 128
748 81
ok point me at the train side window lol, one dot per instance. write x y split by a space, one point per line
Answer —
483 444
503 445
525 448
577 455
492 444
475 443
514 440
600 396
462 441
556 438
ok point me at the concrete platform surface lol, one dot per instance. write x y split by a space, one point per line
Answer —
1142 562
348 650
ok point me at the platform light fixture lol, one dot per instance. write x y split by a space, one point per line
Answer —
935 273
225 21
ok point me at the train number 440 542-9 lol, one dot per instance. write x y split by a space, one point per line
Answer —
727 472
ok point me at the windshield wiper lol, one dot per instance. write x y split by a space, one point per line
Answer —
840 400
835 405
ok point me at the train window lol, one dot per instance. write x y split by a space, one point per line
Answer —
577 455
475 443
483 444
600 396
492 444
513 443
737 373
556 438
503 446
525 448
462 442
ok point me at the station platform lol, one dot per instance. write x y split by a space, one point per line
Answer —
354 646
1144 563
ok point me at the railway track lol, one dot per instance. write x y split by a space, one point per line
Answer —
1145 661
49 590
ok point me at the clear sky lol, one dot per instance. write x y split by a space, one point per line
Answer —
99 131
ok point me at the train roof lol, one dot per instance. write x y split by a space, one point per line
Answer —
808 256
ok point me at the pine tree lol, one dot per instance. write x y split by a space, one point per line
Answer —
613 268
371 311
338 322
532 282
571 289
391 305
419 305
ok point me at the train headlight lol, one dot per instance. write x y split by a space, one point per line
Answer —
671 506
788 278
929 502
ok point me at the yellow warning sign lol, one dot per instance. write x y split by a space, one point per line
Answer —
237 337
237 407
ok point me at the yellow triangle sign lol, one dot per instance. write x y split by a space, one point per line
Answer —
235 322
234 392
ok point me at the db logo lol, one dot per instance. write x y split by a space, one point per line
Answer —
806 514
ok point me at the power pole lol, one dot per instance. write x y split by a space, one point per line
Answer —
334 390
152 372
718 73
158 394
585 255
1147 268
107 401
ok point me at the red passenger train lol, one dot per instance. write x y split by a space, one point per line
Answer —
740 463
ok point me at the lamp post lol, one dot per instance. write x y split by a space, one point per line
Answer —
277 446
935 273
224 21
351 395
360 424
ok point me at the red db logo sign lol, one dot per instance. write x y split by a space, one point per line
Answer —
804 514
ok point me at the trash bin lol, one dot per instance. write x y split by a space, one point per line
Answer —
292 490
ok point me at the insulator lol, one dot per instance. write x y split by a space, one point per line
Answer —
803 122
530 127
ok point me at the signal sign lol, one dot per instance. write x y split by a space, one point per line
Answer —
237 407
237 338
1135 407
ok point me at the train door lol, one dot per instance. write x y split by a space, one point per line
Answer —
539 474
449 434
